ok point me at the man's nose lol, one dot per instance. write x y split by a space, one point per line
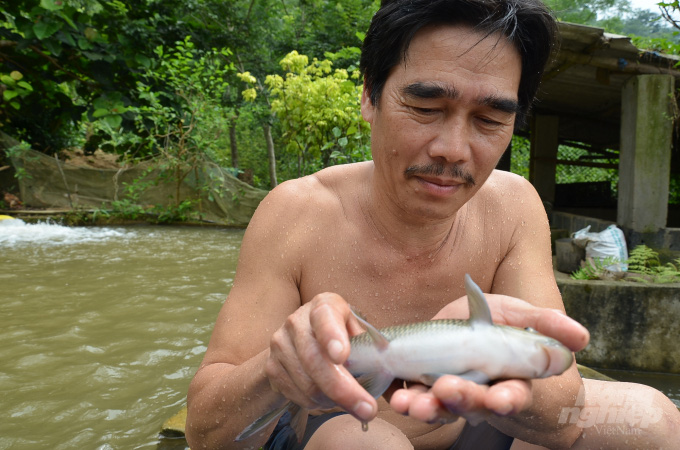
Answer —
452 142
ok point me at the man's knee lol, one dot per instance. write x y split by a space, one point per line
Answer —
345 432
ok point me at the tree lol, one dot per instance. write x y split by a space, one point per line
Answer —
584 11
319 112
78 56
668 9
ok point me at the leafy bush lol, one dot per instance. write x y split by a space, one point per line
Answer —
644 266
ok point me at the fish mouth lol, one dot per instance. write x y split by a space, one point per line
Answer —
559 359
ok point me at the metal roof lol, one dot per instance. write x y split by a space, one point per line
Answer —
583 83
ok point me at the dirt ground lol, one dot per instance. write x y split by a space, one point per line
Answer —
99 160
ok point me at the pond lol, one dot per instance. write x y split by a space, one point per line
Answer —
103 329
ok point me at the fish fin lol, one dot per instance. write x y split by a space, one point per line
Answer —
298 421
378 338
479 308
375 383
428 379
262 422
476 376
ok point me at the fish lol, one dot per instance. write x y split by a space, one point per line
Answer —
475 349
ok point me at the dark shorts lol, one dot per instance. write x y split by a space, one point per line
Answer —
283 437
483 436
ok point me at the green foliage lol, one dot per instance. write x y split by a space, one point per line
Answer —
645 261
79 57
179 124
647 28
15 88
580 11
19 152
594 268
125 209
319 112
519 156
182 212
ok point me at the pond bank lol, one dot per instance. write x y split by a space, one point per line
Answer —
633 325
96 217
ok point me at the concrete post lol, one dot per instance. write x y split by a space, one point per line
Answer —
645 152
543 161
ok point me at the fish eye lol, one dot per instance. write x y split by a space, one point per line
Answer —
531 330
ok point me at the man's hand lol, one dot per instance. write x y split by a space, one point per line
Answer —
452 397
306 357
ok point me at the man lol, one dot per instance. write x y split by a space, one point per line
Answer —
444 83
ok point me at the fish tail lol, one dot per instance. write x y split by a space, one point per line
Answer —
298 421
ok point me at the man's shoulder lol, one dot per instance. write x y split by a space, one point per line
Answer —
314 196
511 193
507 188
501 180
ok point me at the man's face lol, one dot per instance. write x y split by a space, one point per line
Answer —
444 118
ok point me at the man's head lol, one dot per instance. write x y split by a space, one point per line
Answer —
527 24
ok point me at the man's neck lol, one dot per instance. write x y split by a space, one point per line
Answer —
414 236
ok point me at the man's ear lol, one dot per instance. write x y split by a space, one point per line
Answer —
367 108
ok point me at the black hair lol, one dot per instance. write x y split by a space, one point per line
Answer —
528 24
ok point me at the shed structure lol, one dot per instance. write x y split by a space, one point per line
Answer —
602 91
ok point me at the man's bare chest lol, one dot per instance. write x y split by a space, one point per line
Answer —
385 287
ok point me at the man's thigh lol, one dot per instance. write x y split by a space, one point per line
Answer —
345 432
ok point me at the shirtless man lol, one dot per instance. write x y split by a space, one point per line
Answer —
394 237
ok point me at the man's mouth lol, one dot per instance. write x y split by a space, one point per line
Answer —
438 186
432 174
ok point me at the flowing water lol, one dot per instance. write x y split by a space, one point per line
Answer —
103 329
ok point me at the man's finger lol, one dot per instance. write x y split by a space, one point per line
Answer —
549 322
329 318
509 397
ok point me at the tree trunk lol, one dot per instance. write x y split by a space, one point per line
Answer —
270 154
234 147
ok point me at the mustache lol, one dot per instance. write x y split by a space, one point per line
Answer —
438 169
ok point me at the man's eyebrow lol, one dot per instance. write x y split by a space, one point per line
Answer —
429 90
505 105
438 90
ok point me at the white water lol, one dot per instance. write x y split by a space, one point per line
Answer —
17 233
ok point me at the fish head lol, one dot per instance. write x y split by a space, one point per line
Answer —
560 357
540 356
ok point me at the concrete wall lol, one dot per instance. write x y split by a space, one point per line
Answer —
645 156
632 325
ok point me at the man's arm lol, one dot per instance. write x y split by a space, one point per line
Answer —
266 348
527 273
230 388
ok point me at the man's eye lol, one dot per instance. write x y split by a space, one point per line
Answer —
490 122
424 110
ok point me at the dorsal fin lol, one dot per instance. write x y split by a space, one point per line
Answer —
479 308
378 338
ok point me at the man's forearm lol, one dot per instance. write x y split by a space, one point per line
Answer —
224 399
539 424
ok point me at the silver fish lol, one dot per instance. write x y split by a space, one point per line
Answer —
473 349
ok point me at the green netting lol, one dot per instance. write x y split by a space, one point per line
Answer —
50 183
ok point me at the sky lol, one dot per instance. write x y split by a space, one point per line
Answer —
652 6
645 4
